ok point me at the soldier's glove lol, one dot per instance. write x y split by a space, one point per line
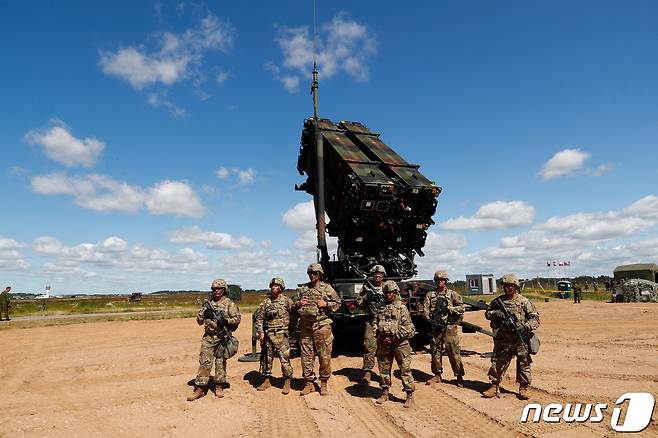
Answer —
208 313
210 324
222 321
496 314
522 327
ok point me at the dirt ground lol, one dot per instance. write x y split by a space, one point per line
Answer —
130 378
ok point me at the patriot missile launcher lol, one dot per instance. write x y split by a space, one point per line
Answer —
379 205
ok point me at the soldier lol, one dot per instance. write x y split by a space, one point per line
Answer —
370 304
315 301
445 327
272 323
577 293
506 341
215 339
4 304
394 329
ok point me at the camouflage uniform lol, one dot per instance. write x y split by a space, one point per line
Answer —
276 335
507 343
369 335
394 329
4 304
448 334
315 335
213 343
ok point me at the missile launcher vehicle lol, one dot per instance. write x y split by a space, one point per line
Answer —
379 205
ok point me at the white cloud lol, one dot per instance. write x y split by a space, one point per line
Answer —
594 242
160 99
62 270
595 226
343 46
104 194
290 83
114 253
10 244
174 59
174 197
495 215
645 208
211 239
565 162
244 176
222 77
11 257
301 217
222 173
60 145
113 244
18 171
599 171
141 70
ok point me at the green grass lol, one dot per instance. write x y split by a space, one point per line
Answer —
160 306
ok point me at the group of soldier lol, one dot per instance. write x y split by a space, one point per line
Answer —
388 331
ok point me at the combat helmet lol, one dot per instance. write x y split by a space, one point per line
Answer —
390 285
279 281
377 268
219 283
315 267
441 275
511 279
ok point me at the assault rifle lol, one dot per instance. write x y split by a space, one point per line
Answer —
375 301
510 321
263 345
268 315
209 312
441 310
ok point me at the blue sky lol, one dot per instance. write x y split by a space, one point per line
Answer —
153 145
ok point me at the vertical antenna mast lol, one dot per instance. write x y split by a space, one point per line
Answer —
319 155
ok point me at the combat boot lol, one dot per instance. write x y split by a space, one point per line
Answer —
491 392
409 403
219 390
323 388
286 386
309 388
460 381
367 376
436 379
523 392
198 393
266 384
384 397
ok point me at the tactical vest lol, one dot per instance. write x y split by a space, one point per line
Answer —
224 304
310 312
280 306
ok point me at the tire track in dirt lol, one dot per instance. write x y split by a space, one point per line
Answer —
282 415
543 398
374 419
447 413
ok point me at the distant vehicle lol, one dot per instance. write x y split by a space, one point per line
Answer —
564 288
135 296
46 295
